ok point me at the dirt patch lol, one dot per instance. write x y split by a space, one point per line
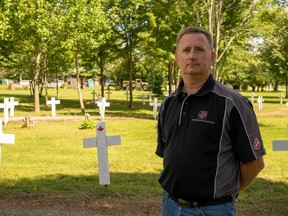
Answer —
48 205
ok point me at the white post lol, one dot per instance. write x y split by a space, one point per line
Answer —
150 96
5 139
102 104
281 98
102 142
53 103
5 106
252 97
12 104
143 98
155 104
127 94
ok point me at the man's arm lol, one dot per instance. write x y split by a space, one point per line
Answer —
249 171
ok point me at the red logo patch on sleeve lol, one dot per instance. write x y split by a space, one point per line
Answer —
256 144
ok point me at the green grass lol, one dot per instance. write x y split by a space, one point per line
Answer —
50 159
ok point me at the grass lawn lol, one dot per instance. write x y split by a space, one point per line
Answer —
50 160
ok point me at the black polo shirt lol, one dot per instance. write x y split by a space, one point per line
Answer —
203 138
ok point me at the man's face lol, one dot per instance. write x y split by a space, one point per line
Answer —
194 56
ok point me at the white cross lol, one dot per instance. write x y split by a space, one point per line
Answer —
101 141
53 103
150 96
252 97
102 104
155 104
5 139
143 98
281 98
12 104
260 102
5 106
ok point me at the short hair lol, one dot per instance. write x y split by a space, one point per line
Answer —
192 30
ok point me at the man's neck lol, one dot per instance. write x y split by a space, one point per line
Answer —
192 86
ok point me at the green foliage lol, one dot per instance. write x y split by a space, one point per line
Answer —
118 38
64 85
156 82
87 124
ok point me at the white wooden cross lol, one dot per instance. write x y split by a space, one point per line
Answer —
260 102
252 97
150 96
101 141
12 104
281 98
102 104
5 106
143 98
155 104
5 139
53 103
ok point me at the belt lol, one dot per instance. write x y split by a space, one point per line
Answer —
195 204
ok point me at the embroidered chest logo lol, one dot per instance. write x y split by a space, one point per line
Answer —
202 115
257 144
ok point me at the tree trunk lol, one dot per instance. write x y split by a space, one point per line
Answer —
286 85
130 78
78 85
102 73
36 83
45 77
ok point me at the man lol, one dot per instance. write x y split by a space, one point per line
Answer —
208 136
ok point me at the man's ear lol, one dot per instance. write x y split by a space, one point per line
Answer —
213 56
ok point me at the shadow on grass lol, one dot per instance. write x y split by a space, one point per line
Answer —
264 197
122 184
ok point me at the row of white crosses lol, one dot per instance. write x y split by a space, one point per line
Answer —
260 100
11 105
8 105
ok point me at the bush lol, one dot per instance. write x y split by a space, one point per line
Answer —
87 124
64 85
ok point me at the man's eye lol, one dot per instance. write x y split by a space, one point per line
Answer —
199 49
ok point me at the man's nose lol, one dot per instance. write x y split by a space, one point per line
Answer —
192 55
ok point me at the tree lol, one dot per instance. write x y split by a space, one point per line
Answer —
131 27
83 21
